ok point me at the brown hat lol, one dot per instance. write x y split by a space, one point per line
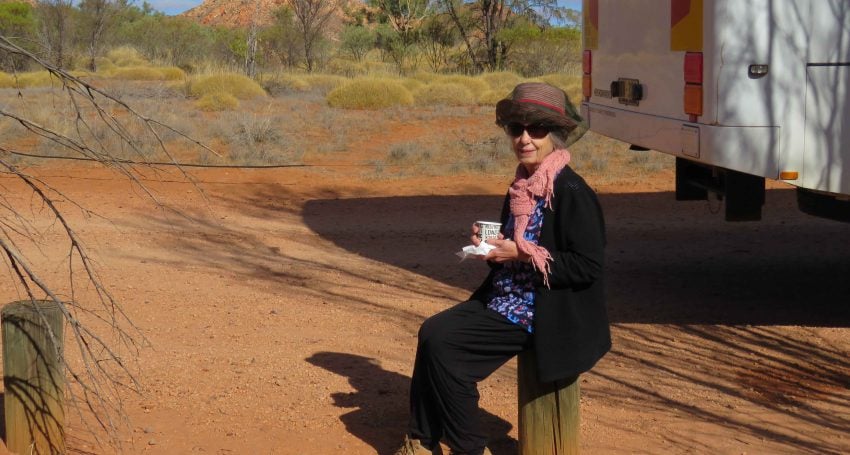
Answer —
538 102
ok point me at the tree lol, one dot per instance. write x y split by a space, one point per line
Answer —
401 28
105 371
97 17
356 40
438 38
56 24
281 42
18 23
311 18
480 23
533 51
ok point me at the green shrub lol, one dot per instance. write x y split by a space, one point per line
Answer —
126 56
237 85
371 93
137 73
440 93
214 102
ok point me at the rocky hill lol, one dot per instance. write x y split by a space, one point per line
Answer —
235 13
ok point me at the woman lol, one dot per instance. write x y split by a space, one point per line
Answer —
544 291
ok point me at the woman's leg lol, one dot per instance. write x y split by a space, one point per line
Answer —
458 348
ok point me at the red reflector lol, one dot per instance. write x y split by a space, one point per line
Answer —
586 86
693 67
693 99
586 62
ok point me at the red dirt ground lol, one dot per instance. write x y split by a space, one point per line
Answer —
282 313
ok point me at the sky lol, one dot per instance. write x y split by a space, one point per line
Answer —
178 6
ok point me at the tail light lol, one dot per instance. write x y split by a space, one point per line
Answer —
586 80
693 74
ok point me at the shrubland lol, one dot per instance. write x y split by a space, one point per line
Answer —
362 87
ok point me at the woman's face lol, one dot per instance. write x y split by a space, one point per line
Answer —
530 147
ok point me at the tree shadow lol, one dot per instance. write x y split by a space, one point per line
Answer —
692 266
379 404
694 301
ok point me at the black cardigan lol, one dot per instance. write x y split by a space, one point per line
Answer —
571 331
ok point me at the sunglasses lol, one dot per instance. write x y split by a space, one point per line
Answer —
536 131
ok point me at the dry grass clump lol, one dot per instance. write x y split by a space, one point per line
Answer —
236 85
137 73
126 56
477 86
258 141
172 73
104 65
412 84
501 79
323 82
346 68
371 93
491 97
426 77
6 80
501 83
214 102
278 83
36 79
444 93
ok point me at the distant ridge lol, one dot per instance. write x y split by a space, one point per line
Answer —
235 13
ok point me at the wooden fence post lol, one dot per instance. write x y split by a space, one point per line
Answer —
548 412
33 377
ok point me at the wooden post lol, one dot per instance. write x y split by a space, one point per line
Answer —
548 412
33 377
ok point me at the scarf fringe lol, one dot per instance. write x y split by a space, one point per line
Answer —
524 193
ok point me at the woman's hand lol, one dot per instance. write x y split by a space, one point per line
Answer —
475 240
505 251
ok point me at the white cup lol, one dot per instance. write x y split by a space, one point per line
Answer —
488 229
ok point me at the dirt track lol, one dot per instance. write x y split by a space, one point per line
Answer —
282 314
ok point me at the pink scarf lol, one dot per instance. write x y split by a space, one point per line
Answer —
524 193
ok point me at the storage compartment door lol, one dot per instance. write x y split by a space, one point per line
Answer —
826 154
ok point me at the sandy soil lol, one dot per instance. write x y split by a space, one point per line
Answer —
282 313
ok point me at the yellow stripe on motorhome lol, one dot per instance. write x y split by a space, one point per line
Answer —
686 25
590 20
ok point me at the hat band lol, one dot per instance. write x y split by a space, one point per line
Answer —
541 103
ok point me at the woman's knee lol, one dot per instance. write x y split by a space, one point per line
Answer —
433 335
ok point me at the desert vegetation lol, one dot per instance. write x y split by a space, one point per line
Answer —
316 88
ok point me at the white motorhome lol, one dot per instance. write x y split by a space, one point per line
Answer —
738 91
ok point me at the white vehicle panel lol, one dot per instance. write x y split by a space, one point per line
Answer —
752 150
634 43
826 156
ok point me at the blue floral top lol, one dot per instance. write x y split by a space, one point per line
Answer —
512 294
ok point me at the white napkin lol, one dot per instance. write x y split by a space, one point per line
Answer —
471 250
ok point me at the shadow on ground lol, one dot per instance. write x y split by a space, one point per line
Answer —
687 265
377 416
694 301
